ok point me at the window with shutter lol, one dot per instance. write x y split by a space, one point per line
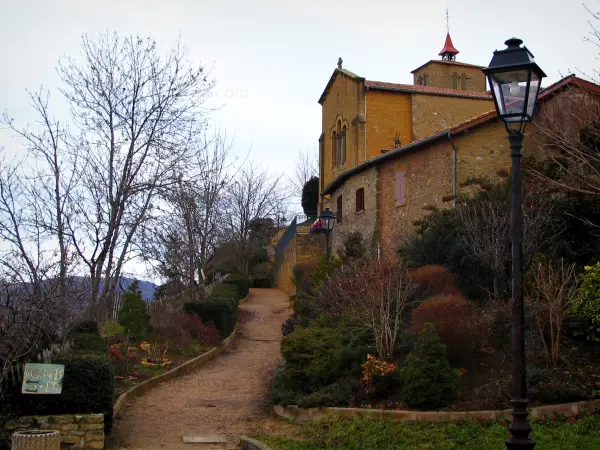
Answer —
400 181
339 213
360 200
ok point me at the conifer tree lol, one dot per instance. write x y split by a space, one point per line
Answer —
133 314
428 380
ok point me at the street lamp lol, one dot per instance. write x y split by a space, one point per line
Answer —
326 223
515 82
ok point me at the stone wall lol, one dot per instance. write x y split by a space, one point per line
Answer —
388 113
364 221
433 113
85 431
305 249
284 266
440 74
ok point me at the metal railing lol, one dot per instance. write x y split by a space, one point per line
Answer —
286 238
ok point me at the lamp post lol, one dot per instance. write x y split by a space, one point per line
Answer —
326 222
515 79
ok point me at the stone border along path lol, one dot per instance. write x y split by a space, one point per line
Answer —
227 397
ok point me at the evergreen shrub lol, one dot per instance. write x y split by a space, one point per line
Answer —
428 380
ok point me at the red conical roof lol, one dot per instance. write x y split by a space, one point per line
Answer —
448 47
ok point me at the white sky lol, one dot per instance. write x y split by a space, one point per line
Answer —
272 59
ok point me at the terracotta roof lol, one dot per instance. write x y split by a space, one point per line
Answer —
442 61
335 73
430 90
448 47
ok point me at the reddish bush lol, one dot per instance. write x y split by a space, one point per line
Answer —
459 326
433 280
181 330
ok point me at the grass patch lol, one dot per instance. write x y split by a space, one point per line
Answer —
368 434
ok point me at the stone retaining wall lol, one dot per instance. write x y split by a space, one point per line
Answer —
81 431
502 416
183 369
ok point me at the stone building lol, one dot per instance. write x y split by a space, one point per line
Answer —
388 150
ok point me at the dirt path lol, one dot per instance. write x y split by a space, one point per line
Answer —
225 398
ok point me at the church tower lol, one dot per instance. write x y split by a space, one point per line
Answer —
448 73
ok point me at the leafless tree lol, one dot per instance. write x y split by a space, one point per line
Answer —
186 230
372 294
135 113
252 194
568 134
305 168
487 232
549 293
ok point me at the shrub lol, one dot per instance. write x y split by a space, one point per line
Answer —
112 331
89 343
433 280
88 387
459 326
317 356
220 309
262 283
379 378
428 380
181 330
224 292
586 302
133 314
87 327
353 247
336 394
242 283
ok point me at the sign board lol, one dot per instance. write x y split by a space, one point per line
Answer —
43 378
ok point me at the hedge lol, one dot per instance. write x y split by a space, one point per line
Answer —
220 309
262 283
242 282
88 388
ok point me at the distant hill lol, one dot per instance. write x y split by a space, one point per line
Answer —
146 287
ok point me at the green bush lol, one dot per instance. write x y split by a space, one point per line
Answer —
88 387
133 314
224 291
318 356
88 343
262 283
427 378
220 309
586 302
242 283
88 327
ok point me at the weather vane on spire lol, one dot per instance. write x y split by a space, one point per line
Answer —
447 21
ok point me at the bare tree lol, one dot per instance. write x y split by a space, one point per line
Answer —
305 168
487 234
134 112
549 293
372 294
568 134
186 229
252 194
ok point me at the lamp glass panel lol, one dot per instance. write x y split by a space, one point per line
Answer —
511 87
534 88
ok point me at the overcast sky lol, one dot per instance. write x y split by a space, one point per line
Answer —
271 59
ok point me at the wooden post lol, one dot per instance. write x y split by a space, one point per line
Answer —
36 440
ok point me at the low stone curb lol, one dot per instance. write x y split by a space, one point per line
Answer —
245 299
183 369
253 444
502 416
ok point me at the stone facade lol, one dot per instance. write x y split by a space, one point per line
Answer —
428 181
388 114
432 113
85 431
364 221
303 249
441 74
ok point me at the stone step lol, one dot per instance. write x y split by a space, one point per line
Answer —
208 442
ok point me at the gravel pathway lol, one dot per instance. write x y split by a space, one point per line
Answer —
227 397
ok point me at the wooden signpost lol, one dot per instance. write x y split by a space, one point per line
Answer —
43 378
